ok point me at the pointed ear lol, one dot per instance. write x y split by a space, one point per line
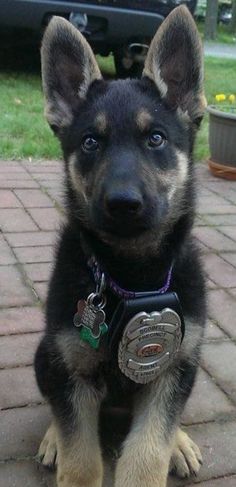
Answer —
175 63
68 68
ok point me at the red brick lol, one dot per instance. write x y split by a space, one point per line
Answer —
21 320
199 221
38 272
33 239
51 183
229 257
211 284
8 199
49 176
211 200
24 473
216 208
46 169
22 430
214 239
220 220
231 196
18 183
16 220
222 308
6 255
18 388
220 271
34 254
36 166
12 169
18 349
207 402
203 248
213 332
222 187
202 172
220 482
33 198
230 231
41 289
203 192
46 218
57 195
13 290
11 176
219 359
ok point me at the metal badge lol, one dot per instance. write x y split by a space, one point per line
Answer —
149 344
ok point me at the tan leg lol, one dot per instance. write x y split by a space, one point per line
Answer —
47 453
186 457
79 455
72 441
147 450
79 462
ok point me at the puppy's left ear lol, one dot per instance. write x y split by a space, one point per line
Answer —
175 63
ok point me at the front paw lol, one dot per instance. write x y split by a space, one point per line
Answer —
47 453
186 458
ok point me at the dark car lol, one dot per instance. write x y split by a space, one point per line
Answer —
123 27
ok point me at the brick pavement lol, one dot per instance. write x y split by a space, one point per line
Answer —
30 213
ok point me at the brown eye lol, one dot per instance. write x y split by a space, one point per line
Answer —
156 140
89 144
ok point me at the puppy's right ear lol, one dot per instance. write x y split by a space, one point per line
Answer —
68 69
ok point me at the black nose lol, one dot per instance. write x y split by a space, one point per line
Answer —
123 204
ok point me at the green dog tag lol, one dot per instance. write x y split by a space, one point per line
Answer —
87 336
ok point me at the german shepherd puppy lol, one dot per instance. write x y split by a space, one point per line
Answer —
129 179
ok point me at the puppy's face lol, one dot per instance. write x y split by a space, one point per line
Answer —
127 159
127 144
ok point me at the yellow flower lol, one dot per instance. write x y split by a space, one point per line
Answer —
220 97
232 98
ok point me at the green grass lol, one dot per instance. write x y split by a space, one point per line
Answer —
25 134
223 34
220 77
23 131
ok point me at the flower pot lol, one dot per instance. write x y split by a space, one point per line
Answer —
222 142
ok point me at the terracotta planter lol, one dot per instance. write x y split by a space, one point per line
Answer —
222 142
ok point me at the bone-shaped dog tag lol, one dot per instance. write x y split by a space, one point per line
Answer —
90 318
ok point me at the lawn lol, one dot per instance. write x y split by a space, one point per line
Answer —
25 134
223 35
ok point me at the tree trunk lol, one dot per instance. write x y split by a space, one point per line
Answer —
210 30
232 26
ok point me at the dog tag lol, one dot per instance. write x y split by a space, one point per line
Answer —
90 317
149 344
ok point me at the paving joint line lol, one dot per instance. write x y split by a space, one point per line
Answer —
26 405
215 322
21 306
233 401
220 418
18 366
30 332
45 190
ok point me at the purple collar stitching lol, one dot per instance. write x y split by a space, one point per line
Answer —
124 293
